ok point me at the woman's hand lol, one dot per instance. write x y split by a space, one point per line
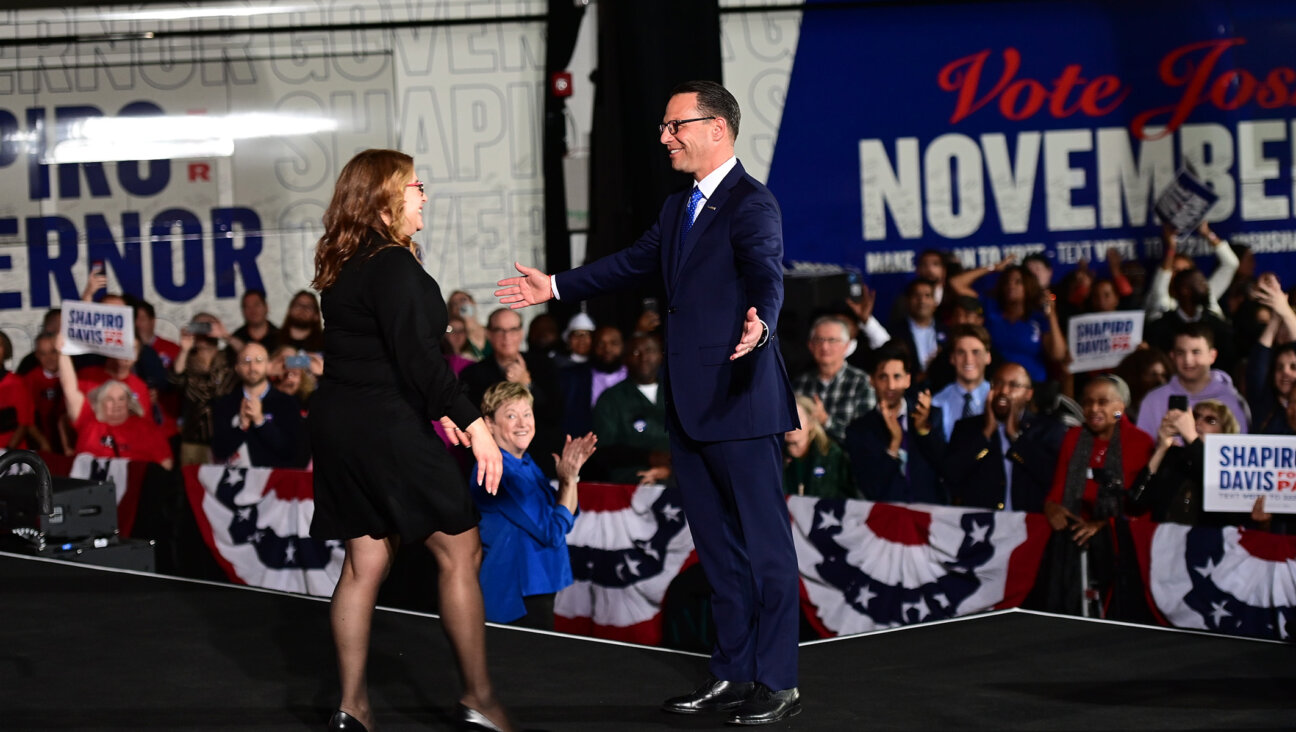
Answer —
1085 530
96 282
653 476
490 463
218 330
1058 516
1168 430
455 435
1184 424
575 453
1268 292
820 411
1258 513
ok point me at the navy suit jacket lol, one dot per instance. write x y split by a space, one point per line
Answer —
731 260
974 469
879 475
278 443
900 332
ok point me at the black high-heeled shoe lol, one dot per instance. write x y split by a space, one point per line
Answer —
472 719
343 722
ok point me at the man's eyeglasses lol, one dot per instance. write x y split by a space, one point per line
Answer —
674 124
507 331
416 184
254 359
819 341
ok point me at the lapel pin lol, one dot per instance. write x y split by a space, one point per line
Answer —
710 208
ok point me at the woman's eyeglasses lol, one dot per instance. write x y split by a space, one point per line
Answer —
416 184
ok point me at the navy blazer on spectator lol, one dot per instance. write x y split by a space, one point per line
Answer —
901 333
280 442
879 476
974 469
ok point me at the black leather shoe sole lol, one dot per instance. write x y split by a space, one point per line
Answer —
756 720
709 708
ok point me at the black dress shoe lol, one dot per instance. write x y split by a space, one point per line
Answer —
470 718
767 707
343 722
713 696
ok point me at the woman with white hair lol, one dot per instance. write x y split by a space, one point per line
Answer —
1099 460
109 420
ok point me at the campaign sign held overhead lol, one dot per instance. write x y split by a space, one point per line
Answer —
1101 340
89 327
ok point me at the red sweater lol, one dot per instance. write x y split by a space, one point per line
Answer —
1136 450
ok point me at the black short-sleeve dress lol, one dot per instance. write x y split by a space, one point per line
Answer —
380 468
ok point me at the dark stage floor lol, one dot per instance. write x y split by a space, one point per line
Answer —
82 648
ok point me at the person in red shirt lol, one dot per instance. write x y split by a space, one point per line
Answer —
16 411
117 369
109 419
47 398
145 322
1097 465
1075 499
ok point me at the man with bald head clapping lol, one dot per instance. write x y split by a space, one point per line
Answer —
255 425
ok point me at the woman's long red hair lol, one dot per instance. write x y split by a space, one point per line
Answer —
371 184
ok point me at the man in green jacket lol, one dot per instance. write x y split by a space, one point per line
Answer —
630 420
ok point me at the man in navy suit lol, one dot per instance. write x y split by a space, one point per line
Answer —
1004 459
918 329
899 443
718 249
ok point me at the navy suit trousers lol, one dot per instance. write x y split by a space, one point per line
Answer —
733 496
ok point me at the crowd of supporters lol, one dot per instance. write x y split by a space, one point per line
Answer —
216 396
959 395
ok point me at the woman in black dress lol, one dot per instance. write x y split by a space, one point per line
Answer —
382 476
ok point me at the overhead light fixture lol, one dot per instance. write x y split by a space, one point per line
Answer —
104 139
224 11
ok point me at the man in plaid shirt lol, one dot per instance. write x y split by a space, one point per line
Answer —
841 392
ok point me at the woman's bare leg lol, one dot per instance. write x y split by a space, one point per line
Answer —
351 612
464 617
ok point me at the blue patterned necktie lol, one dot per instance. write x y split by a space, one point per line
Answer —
687 223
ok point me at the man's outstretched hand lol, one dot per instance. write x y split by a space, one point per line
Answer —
532 288
751 335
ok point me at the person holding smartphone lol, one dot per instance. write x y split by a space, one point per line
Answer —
1171 484
202 372
476 345
290 373
1194 379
